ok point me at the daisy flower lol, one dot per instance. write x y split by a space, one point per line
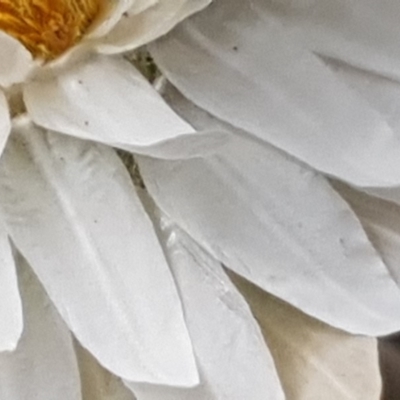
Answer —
272 153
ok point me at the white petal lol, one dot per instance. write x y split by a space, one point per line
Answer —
10 302
116 9
97 383
5 121
249 72
72 210
363 33
108 101
315 361
137 29
16 61
233 360
381 220
44 365
141 5
282 226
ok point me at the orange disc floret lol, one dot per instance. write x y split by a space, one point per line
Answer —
47 28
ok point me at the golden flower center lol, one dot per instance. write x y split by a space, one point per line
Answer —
47 28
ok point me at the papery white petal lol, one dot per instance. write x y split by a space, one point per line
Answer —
10 302
16 61
97 383
280 225
137 29
254 75
362 33
315 361
381 220
5 121
44 365
233 361
73 212
107 100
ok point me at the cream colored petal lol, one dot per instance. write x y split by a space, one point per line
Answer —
16 61
252 73
138 29
314 361
98 383
280 225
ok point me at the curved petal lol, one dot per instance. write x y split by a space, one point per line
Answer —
230 57
233 361
11 320
108 101
137 29
315 361
98 383
16 61
73 212
280 225
44 365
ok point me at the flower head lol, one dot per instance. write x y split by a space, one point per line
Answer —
259 105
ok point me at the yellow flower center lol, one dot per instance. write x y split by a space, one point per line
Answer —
47 28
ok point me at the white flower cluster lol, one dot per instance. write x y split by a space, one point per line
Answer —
268 149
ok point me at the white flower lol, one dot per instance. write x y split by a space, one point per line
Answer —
136 275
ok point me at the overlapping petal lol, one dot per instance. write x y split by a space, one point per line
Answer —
142 23
98 383
71 209
44 365
10 301
231 55
362 33
233 361
315 361
107 100
280 225
381 220
16 61
5 121
114 13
